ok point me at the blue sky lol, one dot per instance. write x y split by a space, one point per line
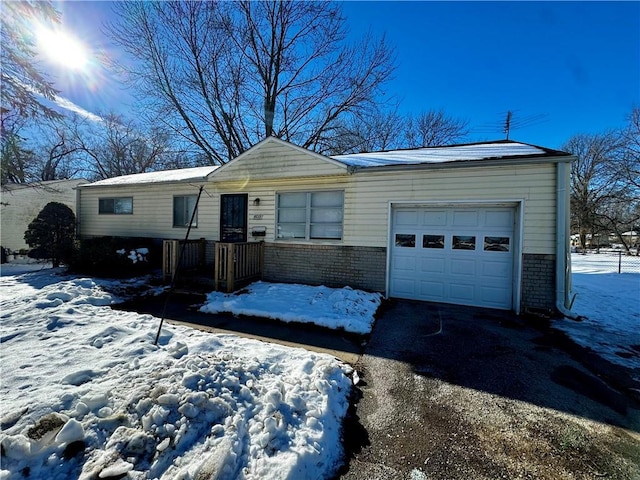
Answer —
561 67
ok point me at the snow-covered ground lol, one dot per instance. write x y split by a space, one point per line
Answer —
86 394
337 308
609 307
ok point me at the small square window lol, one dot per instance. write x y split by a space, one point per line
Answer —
433 241
405 240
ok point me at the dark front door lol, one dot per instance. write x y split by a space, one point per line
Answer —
233 218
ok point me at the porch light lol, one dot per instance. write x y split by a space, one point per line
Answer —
256 202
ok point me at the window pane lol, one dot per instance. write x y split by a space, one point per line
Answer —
295 215
123 205
464 242
326 215
291 230
292 200
183 209
327 231
405 240
433 241
496 244
326 199
105 205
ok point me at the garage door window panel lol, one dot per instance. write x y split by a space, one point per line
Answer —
433 241
463 242
405 240
497 244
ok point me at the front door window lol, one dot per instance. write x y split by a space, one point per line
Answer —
233 218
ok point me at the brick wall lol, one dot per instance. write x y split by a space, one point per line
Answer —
538 282
330 265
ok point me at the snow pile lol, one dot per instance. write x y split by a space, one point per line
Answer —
609 304
136 255
87 395
345 308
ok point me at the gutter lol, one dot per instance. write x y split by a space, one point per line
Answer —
563 252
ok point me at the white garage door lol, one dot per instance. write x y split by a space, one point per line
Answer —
454 255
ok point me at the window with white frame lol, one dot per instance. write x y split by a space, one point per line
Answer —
310 215
116 205
183 207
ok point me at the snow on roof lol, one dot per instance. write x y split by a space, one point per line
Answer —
453 153
179 175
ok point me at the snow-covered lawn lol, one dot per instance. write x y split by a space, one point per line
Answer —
609 304
337 308
86 394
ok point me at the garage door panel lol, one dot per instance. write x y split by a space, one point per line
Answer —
404 287
465 218
462 292
461 255
499 219
432 265
496 269
435 218
432 290
405 263
465 267
406 218
494 296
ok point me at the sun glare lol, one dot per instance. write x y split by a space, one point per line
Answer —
60 47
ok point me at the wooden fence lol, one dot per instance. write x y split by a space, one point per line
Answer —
193 256
236 264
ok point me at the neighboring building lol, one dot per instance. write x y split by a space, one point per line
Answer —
481 224
21 203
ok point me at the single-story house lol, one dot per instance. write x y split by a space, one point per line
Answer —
483 224
22 202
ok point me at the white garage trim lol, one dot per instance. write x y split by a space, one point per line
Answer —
518 208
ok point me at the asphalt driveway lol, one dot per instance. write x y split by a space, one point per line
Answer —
453 392
450 392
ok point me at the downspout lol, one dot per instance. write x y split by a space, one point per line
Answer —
563 252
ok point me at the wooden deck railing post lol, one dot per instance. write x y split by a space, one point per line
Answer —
231 262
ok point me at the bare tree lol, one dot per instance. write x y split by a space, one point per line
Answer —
434 128
631 149
596 182
58 151
23 85
117 146
225 75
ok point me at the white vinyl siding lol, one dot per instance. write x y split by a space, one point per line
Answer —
310 215
152 215
183 207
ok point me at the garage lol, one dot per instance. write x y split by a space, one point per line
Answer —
456 254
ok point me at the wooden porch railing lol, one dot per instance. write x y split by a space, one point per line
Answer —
237 264
193 256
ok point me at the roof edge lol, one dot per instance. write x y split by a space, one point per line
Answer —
489 162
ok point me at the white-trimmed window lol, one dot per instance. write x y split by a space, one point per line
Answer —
115 205
183 207
310 215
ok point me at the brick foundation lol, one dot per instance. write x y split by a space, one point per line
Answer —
330 265
538 282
